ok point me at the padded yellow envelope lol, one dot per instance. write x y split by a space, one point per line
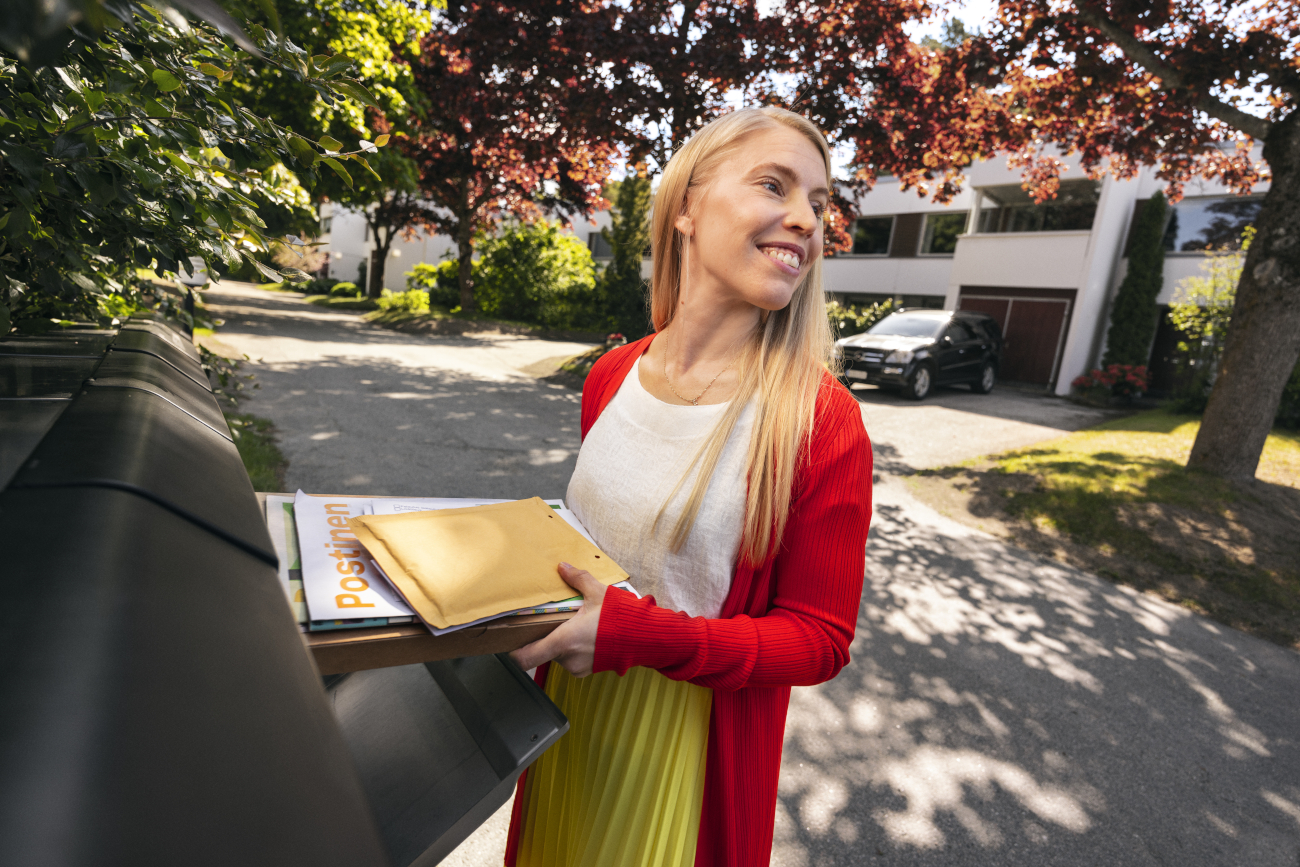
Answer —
458 565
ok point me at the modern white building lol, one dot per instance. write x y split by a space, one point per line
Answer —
1048 273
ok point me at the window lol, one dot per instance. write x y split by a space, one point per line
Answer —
958 333
1209 224
941 231
907 325
600 248
871 236
1012 209
325 224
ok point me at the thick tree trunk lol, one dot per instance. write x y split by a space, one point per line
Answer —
1263 340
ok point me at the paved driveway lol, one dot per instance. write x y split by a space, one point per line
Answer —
365 409
999 710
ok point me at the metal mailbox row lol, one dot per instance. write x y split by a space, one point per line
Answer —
157 705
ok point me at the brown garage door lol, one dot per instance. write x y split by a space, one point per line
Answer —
1033 323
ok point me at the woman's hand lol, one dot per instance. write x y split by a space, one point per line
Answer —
573 643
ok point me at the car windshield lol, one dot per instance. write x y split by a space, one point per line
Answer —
901 325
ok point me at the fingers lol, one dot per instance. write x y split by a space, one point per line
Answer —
592 590
532 655
579 579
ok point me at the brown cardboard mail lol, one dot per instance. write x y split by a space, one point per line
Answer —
455 566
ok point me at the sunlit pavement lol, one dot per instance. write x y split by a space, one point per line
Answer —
1002 709
999 710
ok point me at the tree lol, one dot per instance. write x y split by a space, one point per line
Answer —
127 152
371 34
1134 315
622 285
673 66
1167 85
510 122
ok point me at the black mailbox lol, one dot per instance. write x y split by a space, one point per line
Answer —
157 704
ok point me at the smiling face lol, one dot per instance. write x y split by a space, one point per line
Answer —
755 227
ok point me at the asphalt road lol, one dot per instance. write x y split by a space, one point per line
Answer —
1000 709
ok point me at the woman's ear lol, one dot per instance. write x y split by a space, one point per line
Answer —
685 224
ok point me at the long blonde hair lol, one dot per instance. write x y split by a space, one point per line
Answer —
784 363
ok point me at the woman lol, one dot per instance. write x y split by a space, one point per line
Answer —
724 467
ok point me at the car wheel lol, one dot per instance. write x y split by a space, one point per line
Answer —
988 375
919 383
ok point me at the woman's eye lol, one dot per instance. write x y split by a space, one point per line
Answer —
819 209
771 186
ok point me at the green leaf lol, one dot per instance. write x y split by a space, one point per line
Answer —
354 89
331 66
175 159
330 144
338 169
269 273
94 99
369 168
215 71
165 80
4 221
382 140
302 149
296 276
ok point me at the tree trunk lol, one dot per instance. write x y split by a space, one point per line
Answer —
378 259
1263 339
465 267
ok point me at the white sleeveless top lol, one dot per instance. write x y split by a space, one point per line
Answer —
629 463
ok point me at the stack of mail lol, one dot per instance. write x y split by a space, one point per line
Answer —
355 561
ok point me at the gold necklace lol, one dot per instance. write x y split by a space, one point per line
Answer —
696 401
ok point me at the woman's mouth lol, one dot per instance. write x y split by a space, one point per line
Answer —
785 256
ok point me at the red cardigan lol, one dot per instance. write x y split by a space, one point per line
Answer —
786 623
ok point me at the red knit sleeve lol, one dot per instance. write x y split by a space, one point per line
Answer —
804 636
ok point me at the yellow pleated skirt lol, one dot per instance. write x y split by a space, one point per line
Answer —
625 785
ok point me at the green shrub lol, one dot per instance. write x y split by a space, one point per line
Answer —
344 290
537 273
847 320
1134 316
410 301
438 282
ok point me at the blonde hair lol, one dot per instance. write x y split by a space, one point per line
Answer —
784 363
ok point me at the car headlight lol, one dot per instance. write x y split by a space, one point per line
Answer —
899 356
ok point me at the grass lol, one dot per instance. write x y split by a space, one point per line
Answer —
1116 499
255 439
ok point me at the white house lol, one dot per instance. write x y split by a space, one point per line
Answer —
1047 273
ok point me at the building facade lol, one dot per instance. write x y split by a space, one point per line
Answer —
1048 273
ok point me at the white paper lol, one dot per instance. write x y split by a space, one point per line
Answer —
340 581
284 538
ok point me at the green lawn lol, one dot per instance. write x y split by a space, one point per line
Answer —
1117 500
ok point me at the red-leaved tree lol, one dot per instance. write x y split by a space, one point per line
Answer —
1131 84
513 121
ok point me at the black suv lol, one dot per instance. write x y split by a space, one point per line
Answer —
915 350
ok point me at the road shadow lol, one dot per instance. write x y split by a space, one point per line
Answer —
1005 710
282 314
374 426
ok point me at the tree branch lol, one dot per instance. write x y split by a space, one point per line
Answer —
1145 56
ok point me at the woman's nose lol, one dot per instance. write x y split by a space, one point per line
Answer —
801 218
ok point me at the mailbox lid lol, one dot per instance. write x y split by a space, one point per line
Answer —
439 747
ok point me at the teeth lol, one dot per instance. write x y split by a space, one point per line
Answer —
783 256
